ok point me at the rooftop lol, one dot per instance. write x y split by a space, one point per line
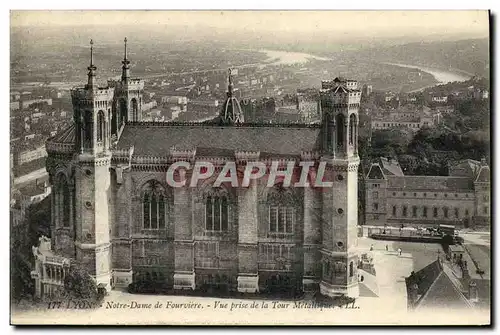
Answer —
156 139
438 183
433 287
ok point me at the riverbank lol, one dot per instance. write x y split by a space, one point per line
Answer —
442 76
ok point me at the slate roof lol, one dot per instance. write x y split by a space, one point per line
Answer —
435 288
375 172
391 167
438 183
211 140
466 167
484 174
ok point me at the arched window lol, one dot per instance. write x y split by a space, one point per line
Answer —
63 201
123 112
281 210
134 110
405 211
88 129
217 211
101 130
154 206
352 129
114 122
445 212
424 212
330 126
339 122
351 269
414 211
327 269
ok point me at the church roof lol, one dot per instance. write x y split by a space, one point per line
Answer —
438 183
212 140
65 136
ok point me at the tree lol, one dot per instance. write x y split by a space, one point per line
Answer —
79 284
408 163
21 284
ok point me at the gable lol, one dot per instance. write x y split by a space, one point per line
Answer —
484 175
443 294
375 172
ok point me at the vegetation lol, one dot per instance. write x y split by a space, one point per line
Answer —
79 284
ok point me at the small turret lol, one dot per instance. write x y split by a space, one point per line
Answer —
231 110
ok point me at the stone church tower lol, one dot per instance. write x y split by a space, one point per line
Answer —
115 213
127 105
92 112
340 100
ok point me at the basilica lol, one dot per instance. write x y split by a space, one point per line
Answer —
114 213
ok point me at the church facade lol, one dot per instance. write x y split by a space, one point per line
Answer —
114 213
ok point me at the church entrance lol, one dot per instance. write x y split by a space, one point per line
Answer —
279 283
216 283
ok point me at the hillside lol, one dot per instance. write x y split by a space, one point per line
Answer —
470 56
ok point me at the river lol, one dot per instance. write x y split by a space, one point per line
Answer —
442 76
288 57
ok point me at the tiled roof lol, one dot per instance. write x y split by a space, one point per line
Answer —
466 167
391 167
438 183
443 293
34 188
425 277
375 172
157 139
432 287
65 136
484 174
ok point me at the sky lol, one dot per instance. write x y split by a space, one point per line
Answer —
383 22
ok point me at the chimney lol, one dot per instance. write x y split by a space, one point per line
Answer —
473 291
413 294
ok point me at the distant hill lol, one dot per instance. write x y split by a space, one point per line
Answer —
470 56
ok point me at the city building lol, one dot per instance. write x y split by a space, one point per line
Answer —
461 199
367 90
28 154
49 271
445 284
114 212
408 117
14 105
28 103
440 99
308 106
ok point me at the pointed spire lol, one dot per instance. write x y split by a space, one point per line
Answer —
125 62
230 84
231 111
125 54
91 53
92 68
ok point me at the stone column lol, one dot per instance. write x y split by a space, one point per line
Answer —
248 274
312 221
184 275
